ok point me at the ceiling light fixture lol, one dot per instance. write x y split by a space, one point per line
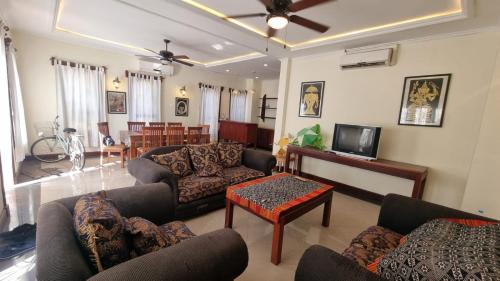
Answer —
277 20
265 65
218 47
227 70
256 77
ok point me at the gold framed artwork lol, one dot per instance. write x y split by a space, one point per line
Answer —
117 102
424 100
311 99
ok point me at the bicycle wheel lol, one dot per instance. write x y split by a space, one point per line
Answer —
48 149
77 154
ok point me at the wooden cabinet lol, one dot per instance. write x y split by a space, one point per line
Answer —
265 138
242 132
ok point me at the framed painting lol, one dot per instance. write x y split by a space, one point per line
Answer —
424 100
117 102
311 99
182 107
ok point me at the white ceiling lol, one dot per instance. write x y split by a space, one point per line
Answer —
130 25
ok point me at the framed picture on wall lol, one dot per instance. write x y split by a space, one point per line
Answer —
424 100
311 99
182 107
117 102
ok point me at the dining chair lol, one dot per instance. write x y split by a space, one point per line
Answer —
175 135
135 126
103 128
174 124
205 133
194 135
152 137
156 124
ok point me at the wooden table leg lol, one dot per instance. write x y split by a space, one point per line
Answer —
326 212
277 243
122 156
229 214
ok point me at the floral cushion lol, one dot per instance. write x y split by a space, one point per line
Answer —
193 187
146 236
176 232
230 154
100 230
239 174
176 162
371 244
205 160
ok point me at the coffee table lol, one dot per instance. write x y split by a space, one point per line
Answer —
279 199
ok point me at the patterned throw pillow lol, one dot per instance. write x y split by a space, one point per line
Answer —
445 250
230 154
176 162
146 236
100 230
205 160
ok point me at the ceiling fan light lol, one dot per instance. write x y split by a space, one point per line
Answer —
277 22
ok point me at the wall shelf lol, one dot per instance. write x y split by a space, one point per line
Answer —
263 108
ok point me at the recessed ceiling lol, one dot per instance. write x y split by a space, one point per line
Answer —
195 26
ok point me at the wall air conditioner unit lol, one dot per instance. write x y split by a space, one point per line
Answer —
163 69
381 55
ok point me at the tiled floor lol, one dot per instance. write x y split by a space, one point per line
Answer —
349 217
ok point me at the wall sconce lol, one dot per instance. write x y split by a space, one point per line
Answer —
182 91
116 83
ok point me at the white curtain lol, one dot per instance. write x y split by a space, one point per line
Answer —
144 93
209 114
80 99
238 105
19 122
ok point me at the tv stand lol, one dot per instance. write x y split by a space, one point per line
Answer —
418 174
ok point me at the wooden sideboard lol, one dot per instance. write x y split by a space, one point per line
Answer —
418 174
238 132
265 138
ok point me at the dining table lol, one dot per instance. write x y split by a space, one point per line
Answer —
131 138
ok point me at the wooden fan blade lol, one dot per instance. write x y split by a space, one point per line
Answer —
182 62
309 23
149 59
271 32
267 3
304 4
181 57
246 16
152 51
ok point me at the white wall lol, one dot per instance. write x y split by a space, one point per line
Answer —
38 80
373 96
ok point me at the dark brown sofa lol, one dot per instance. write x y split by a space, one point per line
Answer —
399 214
145 170
216 256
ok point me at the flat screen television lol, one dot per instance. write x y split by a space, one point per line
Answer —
356 141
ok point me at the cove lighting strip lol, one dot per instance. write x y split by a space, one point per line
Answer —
60 8
393 25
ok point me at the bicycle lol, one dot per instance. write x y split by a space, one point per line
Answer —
59 146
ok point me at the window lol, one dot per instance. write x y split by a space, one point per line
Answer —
209 115
238 104
144 97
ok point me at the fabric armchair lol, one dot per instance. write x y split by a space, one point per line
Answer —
59 256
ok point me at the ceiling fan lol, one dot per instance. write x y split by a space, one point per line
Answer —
165 56
278 17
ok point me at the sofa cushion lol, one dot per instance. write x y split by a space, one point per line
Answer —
445 250
176 162
100 230
230 154
371 244
205 160
146 236
176 232
193 187
239 174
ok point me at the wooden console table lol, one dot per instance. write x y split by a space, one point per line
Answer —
418 174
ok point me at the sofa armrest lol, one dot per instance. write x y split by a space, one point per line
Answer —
154 202
403 214
259 160
224 256
147 171
322 264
